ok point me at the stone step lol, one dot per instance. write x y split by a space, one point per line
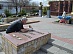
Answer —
62 45
39 52
50 49
55 46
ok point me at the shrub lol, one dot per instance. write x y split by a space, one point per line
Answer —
7 12
0 18
22 12
44 10
57 21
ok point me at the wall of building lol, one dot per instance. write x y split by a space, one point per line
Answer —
55 0
57 7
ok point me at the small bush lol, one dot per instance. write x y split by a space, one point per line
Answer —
44 10
35 11
0 18
22 12
70 21
57 21
7 13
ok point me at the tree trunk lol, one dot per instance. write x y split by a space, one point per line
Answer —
20 8
16 10
16 6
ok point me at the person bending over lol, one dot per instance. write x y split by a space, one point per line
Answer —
17 26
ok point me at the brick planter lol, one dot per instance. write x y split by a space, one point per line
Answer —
24 43
3 27
7 20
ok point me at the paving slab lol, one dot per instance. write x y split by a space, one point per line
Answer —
63 31
68 46
56 42
62 52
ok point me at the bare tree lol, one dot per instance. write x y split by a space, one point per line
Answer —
14 4
34 4
23 3
19 3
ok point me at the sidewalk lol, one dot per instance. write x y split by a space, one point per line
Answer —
61 34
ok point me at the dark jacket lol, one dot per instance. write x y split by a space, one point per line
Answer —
15 27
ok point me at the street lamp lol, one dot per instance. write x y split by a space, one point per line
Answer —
48 11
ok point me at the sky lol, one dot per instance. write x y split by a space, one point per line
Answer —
38 1
43 1
3 0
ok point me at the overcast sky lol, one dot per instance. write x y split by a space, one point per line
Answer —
43 1
3 0
37 1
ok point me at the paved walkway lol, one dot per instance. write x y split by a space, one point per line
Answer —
59 30
62 34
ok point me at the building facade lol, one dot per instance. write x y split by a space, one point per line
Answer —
57 7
